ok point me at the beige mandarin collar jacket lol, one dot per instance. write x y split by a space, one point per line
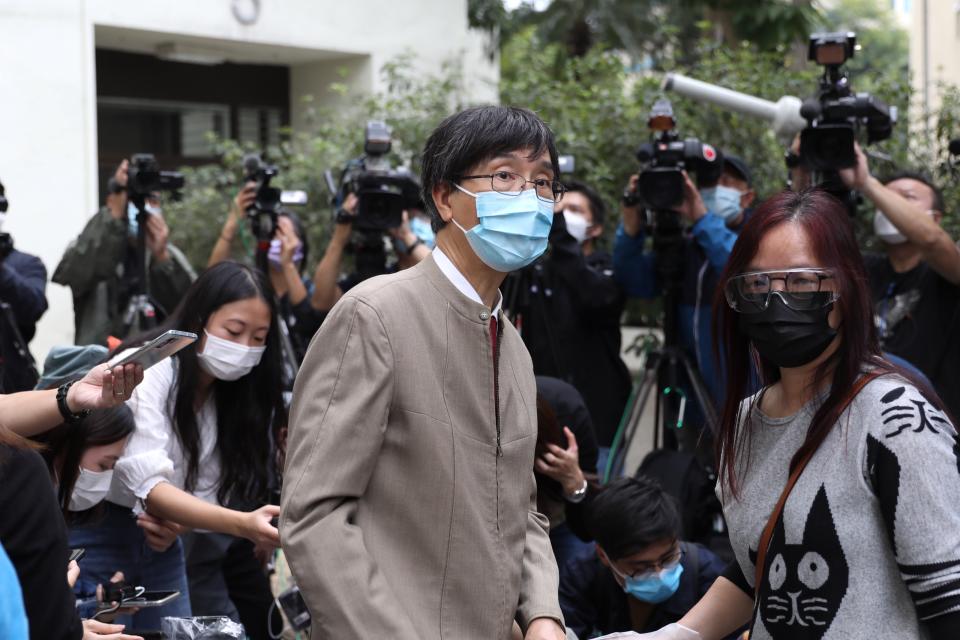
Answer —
401 519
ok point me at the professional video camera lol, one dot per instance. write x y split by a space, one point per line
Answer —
660 187
144 177
382 191
266 206
836 114
269 200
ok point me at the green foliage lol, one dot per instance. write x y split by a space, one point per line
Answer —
412 105
598 110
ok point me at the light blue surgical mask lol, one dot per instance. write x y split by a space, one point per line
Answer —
422 229
653 588
723 202
511 230
132 226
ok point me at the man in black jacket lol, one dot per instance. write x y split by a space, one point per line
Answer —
642 576
23 283
568 308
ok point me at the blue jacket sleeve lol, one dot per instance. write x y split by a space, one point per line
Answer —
23 283
716 239
632 266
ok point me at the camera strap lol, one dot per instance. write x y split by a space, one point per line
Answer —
767 534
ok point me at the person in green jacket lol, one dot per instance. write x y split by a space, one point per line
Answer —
100 266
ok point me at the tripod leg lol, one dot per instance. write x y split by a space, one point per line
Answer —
622 444
700 392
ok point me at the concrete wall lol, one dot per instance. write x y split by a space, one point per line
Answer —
48 109
934 30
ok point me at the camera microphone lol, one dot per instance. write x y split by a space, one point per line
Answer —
251 163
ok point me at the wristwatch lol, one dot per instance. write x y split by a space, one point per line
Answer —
578 495
416 243
68 416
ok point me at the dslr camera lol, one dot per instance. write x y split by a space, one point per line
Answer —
144 177
382 191
836 114
269 200
660 186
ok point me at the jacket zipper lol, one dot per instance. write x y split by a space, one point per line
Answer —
496 387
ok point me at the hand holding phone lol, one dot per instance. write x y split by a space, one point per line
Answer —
158 349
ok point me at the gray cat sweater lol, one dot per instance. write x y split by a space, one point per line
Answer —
869 541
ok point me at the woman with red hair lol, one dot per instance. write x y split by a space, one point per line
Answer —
839 478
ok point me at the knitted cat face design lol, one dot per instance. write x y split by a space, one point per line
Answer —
804 583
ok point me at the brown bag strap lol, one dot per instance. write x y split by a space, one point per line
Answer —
792 480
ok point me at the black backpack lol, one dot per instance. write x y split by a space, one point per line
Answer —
683 476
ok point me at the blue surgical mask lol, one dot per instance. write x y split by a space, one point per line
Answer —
512 229
133 228
653 588
723 202
422 229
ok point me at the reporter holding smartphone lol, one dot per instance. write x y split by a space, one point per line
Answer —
32 531
202 444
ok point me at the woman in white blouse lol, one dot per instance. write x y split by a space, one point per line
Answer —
200 454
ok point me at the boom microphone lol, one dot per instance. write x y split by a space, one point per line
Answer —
784 114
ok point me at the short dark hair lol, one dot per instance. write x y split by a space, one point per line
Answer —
597 206
475 135
938 203
630 514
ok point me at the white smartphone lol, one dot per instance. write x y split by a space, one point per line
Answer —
151 599
154 351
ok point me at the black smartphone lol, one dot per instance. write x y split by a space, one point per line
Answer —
76 554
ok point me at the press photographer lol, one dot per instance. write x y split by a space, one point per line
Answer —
568 306
103 265
279 248
23 281
915 282
374 207
693 233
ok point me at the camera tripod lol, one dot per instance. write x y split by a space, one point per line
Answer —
141 312
664 366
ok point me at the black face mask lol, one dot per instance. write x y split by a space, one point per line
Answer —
787 337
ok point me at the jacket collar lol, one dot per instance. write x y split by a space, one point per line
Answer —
461 302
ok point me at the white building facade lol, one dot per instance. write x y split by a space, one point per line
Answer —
67 67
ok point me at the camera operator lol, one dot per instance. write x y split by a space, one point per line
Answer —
329 286
99 265
23 281
916 285
714 215
287 259
570 319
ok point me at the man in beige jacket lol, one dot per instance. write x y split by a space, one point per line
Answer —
409 504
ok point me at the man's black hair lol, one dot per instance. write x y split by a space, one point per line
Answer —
472 137
938 203
597 207
630 514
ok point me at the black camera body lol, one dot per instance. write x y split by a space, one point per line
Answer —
660 185
836 114
382 191
144 177
266 205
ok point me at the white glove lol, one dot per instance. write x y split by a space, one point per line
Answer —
669 632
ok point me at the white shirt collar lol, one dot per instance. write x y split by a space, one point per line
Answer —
460 282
